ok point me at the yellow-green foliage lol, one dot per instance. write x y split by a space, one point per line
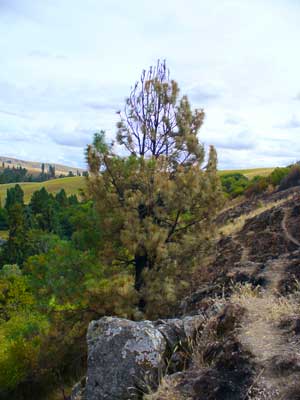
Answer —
72 185
20 328
66 279
20 339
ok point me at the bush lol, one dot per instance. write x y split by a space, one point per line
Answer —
234 184
258 186
278 175
20 348
292 179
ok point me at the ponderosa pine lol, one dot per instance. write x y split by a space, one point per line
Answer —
157 204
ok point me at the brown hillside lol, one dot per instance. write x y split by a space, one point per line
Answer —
249 294
35 167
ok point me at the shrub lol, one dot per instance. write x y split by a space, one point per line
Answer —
292 179
234 184
258 186
277 175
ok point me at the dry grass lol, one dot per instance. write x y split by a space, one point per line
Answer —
249 173
259 331
237 224
198 348
232 203
166 391
265 305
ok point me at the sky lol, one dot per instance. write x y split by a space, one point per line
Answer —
66 67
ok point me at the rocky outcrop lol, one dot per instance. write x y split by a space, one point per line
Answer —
221 368
126 357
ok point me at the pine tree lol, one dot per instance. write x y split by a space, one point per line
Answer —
156 206
62 198
14 196
42 205
16 248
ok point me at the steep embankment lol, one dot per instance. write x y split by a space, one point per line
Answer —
277 357
257 268
268 253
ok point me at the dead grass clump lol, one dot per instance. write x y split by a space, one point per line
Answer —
166 391
265 305
199 347
242 292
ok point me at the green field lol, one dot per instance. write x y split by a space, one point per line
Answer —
71 186
249 173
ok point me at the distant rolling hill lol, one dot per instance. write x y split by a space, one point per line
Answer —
249 173
35 167
71 185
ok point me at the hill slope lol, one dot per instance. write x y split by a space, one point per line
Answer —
34 167
250 295
71 185
249 173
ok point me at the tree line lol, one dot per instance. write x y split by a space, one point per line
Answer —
19 174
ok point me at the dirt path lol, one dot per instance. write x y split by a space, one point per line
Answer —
260 334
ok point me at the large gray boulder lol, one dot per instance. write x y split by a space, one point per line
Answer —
126 357
123 356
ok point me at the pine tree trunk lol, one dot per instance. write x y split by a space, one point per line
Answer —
140 264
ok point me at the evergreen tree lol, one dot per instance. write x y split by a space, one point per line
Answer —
3 219
39 200
43 207
14 196
61 198
73 200
17 246
157 206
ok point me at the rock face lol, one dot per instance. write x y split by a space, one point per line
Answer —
123 355
126 357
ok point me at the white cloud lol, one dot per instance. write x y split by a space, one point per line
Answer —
67 66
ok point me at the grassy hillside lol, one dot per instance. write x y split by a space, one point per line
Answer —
71 186
34 167
249 173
